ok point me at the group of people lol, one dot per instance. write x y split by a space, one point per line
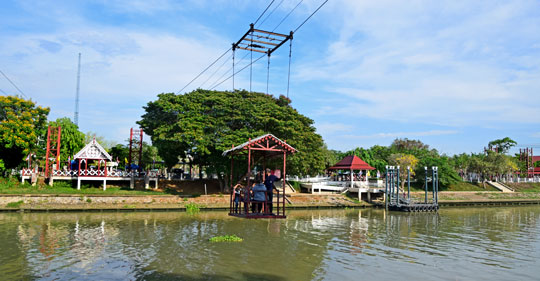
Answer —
260 194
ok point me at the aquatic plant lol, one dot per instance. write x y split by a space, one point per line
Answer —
192 208
226 238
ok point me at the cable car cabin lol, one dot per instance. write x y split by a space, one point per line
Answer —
251 200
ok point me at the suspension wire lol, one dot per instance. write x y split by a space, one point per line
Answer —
239 71
204 71
228 70
264 12
267 74
3 92
271 12
13 84
289 73
233 52
310 16
251 64
287 15
219 67
213 85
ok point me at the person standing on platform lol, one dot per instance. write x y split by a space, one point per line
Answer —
269 183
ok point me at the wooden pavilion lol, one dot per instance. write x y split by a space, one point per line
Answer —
352 163
260 150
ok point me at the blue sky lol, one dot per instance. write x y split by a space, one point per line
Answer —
454 74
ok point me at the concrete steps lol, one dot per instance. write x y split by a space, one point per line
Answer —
500 186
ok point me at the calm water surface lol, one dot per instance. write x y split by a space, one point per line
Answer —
455 244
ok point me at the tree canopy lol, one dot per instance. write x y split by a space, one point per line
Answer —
502 145
72 140
205 123
21 123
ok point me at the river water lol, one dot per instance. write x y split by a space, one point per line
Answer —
455 244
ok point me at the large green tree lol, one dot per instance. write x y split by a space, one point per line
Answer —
22 122
204 123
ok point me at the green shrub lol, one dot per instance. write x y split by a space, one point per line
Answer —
226 238
192 208
14 204
89 200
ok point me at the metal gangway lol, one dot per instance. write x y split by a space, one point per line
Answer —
403 202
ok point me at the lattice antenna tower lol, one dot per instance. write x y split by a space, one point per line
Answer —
76 115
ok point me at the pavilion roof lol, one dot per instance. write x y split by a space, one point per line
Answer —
268 142
93 150
351 162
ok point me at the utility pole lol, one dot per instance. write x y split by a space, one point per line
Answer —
76 117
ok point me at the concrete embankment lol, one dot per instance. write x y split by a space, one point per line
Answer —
48 202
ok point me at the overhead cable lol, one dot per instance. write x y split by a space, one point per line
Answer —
271 12
214 73
228 70
13 84
204 71
263 12
239 71
310 16
287 15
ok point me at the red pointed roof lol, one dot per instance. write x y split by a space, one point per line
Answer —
351 162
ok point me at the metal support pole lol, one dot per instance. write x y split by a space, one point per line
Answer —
233 53
433 182
397 187
408 183
386 189
426 183
437 186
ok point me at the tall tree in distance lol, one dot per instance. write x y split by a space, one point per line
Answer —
71 140
404 161
502 145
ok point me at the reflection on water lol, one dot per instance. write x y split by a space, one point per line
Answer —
455 244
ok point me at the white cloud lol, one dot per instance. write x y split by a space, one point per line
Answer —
449 63
394 135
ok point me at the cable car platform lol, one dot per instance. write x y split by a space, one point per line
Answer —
257 216
415 207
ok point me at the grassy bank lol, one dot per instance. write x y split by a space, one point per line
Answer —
13 186
457 187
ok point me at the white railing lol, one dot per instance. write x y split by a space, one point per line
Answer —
26 172
64 173
91 173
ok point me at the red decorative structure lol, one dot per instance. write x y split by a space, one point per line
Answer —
527 155
53 148
135 147
351 162
260 149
